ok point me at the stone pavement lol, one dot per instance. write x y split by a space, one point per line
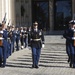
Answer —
53 60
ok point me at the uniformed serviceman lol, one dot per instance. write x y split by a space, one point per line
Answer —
1 34
21 37
73 44
67 35
9 42
37 41
17 38
29 33
70 47
13 38
25 37
4 45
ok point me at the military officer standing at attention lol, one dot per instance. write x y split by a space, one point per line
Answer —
73 44
3 44
29 33
13 38
68 33
1 34
21 37
25 36
70 43
36 42
17 38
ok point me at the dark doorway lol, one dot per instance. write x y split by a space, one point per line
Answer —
62 14
40 13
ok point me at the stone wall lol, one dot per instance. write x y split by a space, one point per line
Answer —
26 19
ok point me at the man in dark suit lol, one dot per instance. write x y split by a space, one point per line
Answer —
36 42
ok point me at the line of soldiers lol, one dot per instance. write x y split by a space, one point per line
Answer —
10 37
9 41
69 34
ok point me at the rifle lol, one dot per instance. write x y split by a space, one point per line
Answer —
4 19
8 23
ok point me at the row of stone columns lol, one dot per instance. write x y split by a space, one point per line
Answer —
7 7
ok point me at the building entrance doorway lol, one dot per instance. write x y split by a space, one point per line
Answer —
62 14
40 13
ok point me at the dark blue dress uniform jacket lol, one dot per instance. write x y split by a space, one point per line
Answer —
5 35
68 34
36 35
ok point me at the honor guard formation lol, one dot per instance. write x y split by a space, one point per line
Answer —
16 38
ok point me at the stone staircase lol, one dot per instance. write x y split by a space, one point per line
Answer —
55 39
53 32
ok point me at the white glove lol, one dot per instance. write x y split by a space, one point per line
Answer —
73 38
43 45
1 32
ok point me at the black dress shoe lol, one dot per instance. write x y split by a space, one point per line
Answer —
71 65
68 60
33 66
2 66
36 66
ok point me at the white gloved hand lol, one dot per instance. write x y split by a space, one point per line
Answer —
43 45
1 32
73 38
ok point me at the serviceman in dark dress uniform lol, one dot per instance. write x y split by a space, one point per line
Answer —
70 47
37 41
21 37
9 42
4 45
73 44
68 36
17 38
1 39
13 38
5 36
25 37
29 34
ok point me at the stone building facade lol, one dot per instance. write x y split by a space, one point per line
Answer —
50 14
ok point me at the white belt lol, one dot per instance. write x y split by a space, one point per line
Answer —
35 39
1 38
73 38
8 38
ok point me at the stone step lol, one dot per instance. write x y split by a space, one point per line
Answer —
54 39
55 32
